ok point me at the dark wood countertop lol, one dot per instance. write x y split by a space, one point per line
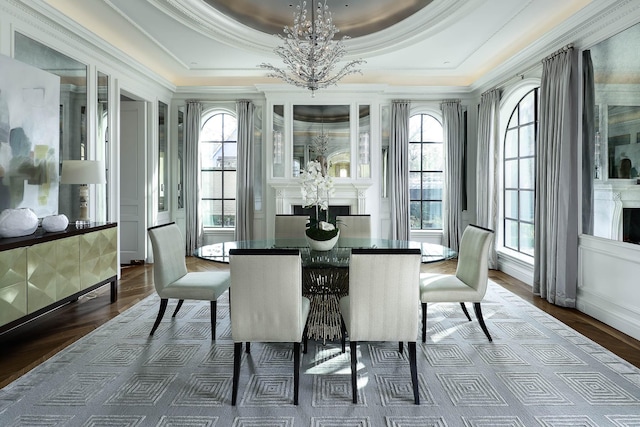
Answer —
41 236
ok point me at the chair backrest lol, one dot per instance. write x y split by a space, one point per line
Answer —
384 294
266 295
291 226
354 226
473 257
168 248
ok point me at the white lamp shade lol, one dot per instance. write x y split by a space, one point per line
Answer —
82 172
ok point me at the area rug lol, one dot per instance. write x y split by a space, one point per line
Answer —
537 372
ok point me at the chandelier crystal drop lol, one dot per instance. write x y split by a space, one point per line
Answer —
309 51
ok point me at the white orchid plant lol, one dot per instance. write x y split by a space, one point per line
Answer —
317 189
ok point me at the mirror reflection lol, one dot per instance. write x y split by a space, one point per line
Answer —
102 142
73 108
612 131
163 177
323 133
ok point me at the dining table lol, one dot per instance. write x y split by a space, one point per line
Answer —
325 274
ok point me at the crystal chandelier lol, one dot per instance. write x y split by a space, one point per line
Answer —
309 51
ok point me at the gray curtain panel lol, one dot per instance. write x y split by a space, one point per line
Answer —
556 204
193 222
399 170
454 151
588 142
244 196
487 167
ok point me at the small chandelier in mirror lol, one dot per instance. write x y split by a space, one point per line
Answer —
309 51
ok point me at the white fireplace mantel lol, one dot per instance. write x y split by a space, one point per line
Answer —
352 194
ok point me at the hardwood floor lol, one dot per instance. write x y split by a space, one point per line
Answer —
31 344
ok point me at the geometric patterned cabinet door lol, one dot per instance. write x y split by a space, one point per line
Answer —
13 285
98 256
53 272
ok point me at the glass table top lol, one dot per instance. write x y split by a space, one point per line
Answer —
336 257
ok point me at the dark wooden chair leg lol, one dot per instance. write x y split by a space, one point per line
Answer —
424 322
353 346
400 347
248 349
214 315
478 310
305 338
163 308
464 308
296 371
177 308
237 355
414 372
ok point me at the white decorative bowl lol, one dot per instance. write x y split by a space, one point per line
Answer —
18 222
53 223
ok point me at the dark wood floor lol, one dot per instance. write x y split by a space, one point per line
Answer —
33 343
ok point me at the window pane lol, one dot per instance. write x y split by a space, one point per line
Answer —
526 239
415 215
511 144
511 234
414 157
431 215
527 111
511 204
229 209
527 178
431 129
526 206
212 129
230 128
211 185
209 155
212 213
415 123
527 141
432 186
511 174
414 185
229 185
230 155
432 157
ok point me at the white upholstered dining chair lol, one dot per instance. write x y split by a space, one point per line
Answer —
382 304
172 280
267 304
354 226
290 226
469 284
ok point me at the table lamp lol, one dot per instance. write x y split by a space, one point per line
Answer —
83 172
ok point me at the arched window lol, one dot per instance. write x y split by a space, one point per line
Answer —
218 160
519 175
426 176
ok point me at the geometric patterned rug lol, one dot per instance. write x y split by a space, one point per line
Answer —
537 372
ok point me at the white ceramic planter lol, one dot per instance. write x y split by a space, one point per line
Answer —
323 245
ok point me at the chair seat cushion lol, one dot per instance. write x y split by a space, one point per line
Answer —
446 288
200 285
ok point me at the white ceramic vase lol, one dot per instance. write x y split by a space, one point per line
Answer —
323 245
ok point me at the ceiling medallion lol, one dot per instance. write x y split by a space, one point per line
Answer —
309 52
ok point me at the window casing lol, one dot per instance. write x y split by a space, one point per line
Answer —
218 162
519 163
426 172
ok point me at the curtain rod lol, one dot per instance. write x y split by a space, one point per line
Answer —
559 51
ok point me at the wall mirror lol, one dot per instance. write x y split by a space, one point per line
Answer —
163 138
73 108
611 130
180 146
102 143
323 133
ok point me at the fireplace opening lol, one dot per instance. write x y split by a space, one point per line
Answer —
334 210
631 225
